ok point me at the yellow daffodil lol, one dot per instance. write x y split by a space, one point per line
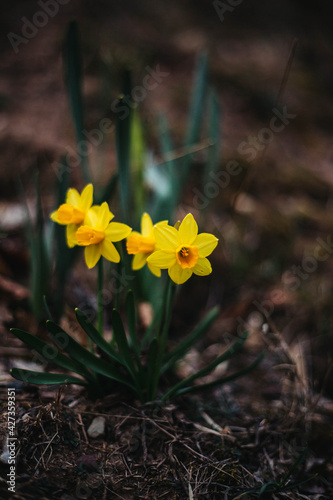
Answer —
72 213
183 251
97 234
142 245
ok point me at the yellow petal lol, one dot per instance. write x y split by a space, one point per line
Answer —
54 217
117 231
155 270
161 223
104 216
73 197
70 234
202 267
147 227
138 261
86 197
161 259
109 251
178 274
92 254
91 217
188 230
205 243
167 237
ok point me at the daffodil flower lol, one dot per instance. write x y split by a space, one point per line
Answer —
142 245
97 234
72 213
183 251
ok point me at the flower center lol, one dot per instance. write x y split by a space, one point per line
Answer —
87 235
187 256
184 252
67 214
140 244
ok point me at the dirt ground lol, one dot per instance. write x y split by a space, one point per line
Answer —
272 271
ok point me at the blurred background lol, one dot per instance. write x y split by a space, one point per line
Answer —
274 218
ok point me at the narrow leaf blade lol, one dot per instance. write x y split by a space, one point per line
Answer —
79 353
221 380
179 352
32 377
123 139
131 320
122 343
95 336
50 353
73 68
210 367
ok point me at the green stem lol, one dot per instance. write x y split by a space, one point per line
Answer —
119 269
163 331
100 305
118 286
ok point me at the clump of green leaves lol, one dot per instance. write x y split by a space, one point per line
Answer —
120 363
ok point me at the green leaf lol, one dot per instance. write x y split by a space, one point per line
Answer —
47 309
131 320
294 467
214 151
137 153
179 352
95 336
163 330
271 486
149 334
109 190
196 110
201 373
221 380
38 254
152 375
197 100
164 177
73 74
122 343
50 353
79 353
123 136
32 377
125 352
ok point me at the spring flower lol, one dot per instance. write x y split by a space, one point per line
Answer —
97 234
143 245
183 251
72 213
